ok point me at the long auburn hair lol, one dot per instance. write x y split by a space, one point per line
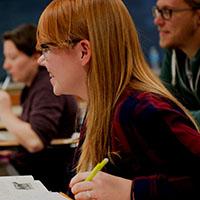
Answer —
117 62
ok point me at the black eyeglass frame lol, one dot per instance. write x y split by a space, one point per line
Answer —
48 44
166 13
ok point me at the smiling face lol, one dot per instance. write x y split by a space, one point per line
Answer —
20 66
181 29
67 68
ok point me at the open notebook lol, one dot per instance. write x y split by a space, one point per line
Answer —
26 188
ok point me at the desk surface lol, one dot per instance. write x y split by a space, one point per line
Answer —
8 140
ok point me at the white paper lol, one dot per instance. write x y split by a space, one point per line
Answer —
25 188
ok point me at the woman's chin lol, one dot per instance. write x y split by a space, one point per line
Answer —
57 91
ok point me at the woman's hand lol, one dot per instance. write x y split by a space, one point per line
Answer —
103 187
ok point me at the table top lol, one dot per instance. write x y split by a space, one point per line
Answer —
9 140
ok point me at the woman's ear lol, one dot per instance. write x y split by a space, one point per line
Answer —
85 52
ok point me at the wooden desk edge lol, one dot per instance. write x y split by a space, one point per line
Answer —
7 143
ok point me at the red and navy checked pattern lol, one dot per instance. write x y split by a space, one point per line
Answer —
157 145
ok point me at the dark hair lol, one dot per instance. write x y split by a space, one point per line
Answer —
193 3
24 37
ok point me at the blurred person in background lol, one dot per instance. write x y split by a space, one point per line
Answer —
44 116
178 23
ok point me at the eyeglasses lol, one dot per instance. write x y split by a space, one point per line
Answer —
47 47
166 13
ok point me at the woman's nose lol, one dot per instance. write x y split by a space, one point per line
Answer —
41 60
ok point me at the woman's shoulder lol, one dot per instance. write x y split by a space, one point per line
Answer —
148 108
138 101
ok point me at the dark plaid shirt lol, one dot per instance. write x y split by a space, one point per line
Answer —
158 147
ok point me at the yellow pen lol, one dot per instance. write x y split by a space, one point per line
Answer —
96 169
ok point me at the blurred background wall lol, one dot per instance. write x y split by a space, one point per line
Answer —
15 12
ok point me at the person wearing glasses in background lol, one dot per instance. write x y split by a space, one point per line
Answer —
178 23
91 49
44 116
